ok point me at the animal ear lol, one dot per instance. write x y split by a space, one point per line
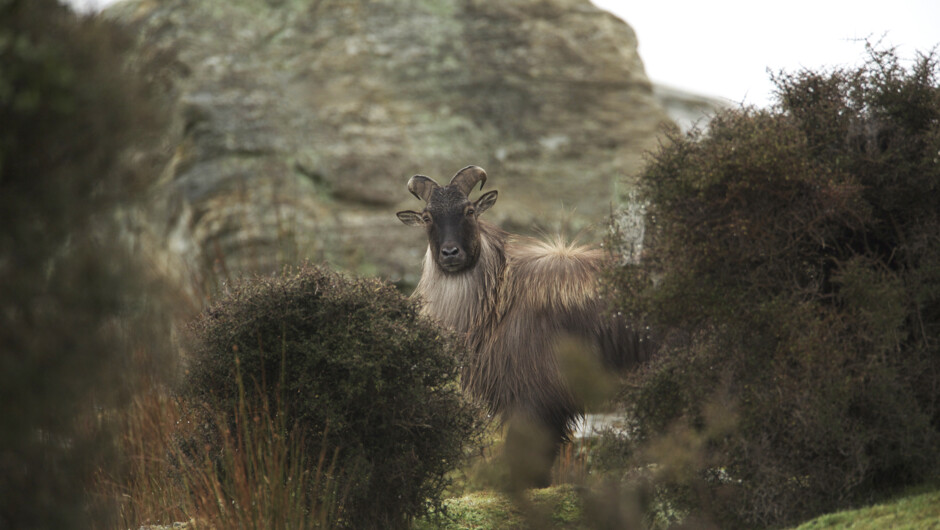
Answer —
485 201
411 218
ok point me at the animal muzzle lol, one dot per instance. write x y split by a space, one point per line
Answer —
452 258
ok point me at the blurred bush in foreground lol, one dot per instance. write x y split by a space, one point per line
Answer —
70 116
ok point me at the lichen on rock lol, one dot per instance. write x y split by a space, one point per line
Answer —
297 123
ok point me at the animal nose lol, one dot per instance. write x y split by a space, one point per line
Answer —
450 252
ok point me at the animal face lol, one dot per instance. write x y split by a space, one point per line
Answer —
451 222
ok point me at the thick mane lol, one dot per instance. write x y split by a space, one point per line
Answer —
552 275
462 301
560 279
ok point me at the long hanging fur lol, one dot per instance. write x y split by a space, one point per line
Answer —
522 296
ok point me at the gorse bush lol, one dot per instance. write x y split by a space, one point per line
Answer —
70 111
356 368
793 268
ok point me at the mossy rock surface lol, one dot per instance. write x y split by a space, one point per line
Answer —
296 124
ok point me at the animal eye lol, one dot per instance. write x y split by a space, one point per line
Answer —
470 211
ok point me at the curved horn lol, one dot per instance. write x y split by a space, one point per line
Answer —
421 187
467 178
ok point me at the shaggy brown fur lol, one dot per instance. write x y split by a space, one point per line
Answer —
514 305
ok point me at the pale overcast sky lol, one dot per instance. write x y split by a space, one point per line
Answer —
725 48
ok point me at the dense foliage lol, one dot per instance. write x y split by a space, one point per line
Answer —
792 266
70 113
357 369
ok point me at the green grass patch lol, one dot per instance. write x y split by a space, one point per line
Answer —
555 507
919 511
561 507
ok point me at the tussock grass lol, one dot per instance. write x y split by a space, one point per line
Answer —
255 476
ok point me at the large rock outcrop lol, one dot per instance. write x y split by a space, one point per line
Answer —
298 123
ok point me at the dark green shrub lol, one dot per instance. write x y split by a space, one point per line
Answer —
793 267
357 369
69 114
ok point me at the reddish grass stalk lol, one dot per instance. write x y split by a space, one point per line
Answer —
256 477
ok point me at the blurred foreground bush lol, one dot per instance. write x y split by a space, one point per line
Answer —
793 268
356 369
70 116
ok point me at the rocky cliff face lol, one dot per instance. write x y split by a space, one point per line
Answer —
298 123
